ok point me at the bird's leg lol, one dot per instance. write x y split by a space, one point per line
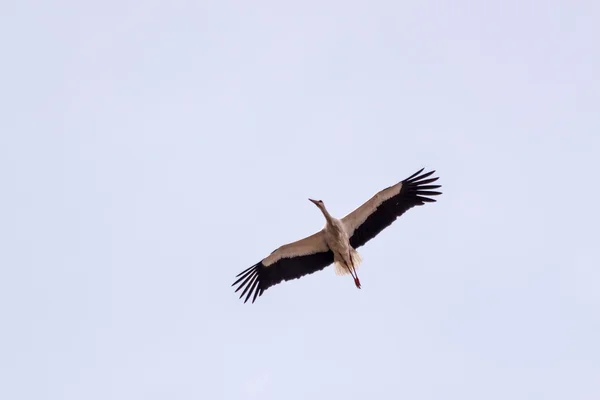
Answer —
354 275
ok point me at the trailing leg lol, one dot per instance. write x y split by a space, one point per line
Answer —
353 271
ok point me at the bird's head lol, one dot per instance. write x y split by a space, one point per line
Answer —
318 203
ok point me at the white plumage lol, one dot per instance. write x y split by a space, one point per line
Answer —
337 242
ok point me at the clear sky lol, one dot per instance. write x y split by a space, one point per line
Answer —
150 151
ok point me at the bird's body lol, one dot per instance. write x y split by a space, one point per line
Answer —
345 258
337 242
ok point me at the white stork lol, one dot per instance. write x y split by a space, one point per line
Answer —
337 241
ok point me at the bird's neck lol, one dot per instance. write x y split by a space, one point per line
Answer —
328 216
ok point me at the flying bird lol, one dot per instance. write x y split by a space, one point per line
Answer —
337 242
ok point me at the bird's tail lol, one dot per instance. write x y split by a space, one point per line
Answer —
340 267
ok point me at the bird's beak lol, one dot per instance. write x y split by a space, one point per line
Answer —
314 201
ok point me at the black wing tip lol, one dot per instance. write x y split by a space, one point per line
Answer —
417 176
250 282
420 188
413 175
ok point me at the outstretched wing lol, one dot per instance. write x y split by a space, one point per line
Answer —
381 210
290 261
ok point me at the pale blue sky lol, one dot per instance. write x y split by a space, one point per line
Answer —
150 151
